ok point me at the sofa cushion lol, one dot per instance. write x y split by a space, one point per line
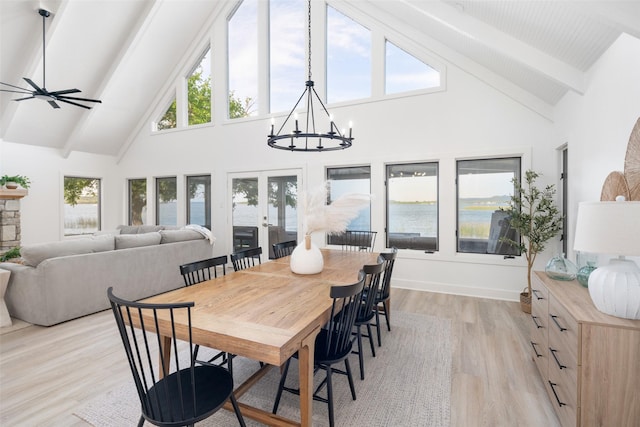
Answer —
126 241
139 229
172 236
36 253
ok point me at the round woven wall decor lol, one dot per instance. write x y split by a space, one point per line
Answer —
615 185
632 163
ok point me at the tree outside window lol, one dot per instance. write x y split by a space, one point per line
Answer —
166 197
81 205
137 201
199 206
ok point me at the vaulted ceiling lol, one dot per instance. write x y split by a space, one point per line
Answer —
125 52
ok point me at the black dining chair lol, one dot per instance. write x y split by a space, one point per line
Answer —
354 240
206 269
383 296
365 311
333 345
246 258
283 249
175 392
200 271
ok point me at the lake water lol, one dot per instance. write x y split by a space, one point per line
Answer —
405 217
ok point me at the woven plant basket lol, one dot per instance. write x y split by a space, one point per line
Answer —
525 301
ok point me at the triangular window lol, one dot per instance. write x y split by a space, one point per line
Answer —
405 72
168 120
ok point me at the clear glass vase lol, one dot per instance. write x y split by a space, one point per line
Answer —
584 272
560 268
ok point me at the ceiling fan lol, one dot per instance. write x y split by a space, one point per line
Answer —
42 92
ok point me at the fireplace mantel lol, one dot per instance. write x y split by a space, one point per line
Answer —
12 194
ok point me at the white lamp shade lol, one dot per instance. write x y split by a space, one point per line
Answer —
608 228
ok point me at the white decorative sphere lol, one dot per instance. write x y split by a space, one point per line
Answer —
615 289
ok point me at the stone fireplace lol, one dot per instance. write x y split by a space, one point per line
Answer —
10 218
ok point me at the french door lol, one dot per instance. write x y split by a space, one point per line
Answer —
264 208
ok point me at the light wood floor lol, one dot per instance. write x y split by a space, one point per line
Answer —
48 373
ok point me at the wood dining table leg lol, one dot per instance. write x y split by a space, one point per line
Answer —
305 361
165 348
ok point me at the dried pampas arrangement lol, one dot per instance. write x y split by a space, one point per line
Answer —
332 218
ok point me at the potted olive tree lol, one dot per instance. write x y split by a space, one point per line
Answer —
535 216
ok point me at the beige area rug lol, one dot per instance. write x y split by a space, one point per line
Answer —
408 383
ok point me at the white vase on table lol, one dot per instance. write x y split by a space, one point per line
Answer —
306 258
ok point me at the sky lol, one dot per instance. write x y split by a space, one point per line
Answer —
348 52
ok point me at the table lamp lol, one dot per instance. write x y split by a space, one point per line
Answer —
612 228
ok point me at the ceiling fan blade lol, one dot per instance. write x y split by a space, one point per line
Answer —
79 99
14 86
62 92
35 86
53 104
24 91
73 103
22 99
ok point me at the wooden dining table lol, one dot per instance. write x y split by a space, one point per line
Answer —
267 313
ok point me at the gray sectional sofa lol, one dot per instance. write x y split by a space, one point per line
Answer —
63 280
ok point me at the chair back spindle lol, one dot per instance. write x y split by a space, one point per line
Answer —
246 258
284 249
206 269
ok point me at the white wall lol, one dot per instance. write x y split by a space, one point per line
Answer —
597 126
469 119
41 210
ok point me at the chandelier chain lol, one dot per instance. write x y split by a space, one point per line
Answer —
309 37
304 138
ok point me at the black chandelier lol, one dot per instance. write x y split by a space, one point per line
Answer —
309 139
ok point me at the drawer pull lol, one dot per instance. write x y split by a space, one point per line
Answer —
554 317
535 322
536 292
556 394
553 353
533 344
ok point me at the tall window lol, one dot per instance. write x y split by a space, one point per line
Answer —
137 201
485 186
348 58
405 72
351 180
199 91
412 206
287 50
81 205
199 206
243 60
166 207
